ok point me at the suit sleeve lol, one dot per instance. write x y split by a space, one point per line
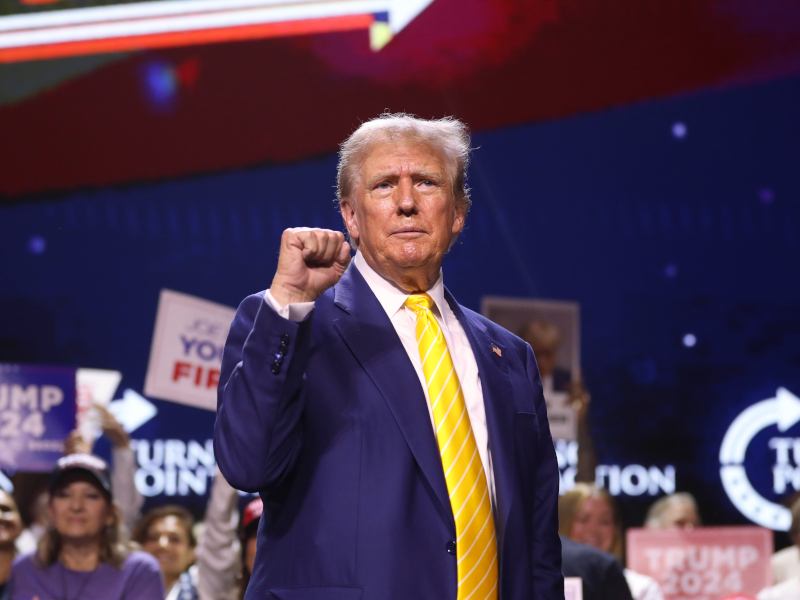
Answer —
548 579
257 434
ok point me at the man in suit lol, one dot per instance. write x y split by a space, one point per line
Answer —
399 440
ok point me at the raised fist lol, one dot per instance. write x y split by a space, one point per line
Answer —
310 261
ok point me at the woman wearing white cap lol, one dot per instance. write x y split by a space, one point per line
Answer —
81 555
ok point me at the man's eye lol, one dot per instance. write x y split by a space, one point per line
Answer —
383 185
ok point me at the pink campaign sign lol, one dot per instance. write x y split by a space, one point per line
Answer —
708 563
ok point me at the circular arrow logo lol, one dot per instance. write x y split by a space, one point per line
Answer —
784 411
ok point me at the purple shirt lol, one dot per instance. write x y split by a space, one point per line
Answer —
139 578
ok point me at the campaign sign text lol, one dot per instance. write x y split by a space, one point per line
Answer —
708 563
186 352
37 412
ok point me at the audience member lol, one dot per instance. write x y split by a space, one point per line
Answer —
127 498
675 511
10 528
167 533
788 589
82 554
786 562
204 567
588 514
786 565
600 573
219 554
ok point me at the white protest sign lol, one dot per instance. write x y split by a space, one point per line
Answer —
186 351
707 563
94 386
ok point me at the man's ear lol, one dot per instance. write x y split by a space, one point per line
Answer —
348 212
460 218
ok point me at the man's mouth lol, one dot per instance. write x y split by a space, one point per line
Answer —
408 232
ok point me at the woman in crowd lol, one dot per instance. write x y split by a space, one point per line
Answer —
10 528
202 567
587 514
81 555
674 511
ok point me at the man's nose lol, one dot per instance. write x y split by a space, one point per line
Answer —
407 202
163 541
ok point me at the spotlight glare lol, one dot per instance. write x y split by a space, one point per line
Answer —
160 83
766 195
671 271
37 245
690 340
679 130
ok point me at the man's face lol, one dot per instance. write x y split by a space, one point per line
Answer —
402 212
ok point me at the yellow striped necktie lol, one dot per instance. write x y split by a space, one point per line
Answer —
476 546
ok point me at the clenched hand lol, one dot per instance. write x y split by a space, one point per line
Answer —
310 261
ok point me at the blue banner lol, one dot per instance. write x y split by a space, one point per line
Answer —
37 412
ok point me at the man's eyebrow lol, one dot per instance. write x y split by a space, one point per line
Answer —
385 174
428 173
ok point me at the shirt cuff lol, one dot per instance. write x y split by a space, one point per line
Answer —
296 311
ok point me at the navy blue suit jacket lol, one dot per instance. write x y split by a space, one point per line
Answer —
327 419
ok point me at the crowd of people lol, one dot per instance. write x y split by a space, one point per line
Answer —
91 540
83 549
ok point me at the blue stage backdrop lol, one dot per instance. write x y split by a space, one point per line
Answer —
674 224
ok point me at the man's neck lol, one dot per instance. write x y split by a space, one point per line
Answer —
412 281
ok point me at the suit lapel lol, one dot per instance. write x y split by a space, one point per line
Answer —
496 386
370 336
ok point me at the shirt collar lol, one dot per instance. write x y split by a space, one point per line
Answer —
390 297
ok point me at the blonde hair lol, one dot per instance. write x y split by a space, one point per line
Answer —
656 514
569 504
113 548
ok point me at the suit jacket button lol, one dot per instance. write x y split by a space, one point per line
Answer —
451 547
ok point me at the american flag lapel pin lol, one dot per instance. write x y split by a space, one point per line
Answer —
497 351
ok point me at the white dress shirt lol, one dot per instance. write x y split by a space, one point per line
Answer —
403 319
